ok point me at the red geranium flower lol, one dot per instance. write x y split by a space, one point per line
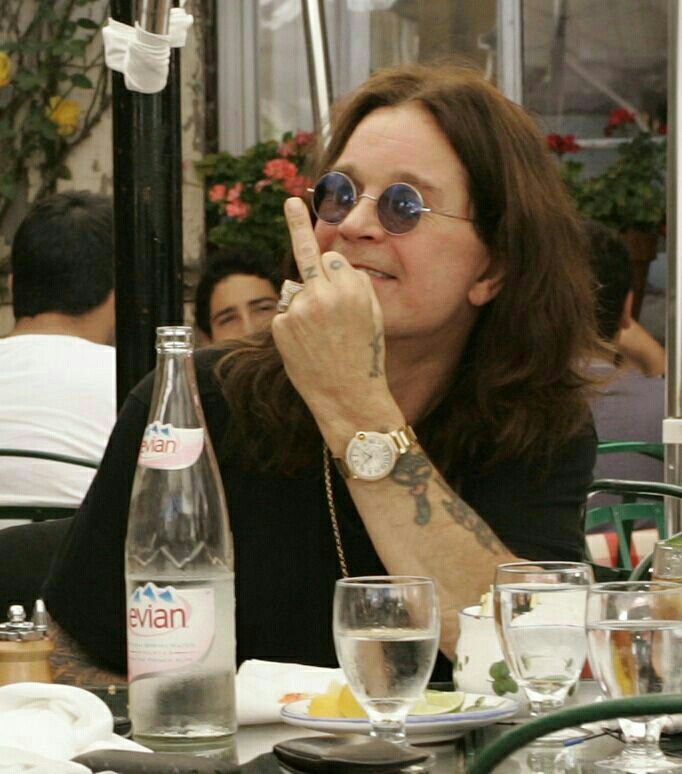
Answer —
237 209
280 169
217 193
618 117
562 143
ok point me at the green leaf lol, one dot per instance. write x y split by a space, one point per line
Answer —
8 187
6 129
87 24
76 47
27 81
82 81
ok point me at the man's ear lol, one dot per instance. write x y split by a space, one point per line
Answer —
487 286
626 315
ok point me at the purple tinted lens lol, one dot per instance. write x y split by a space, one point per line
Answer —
333 197
399 208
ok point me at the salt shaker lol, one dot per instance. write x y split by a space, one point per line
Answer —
25 647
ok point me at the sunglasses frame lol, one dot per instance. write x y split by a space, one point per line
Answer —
357 197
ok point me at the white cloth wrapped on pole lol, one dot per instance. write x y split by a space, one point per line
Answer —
142 56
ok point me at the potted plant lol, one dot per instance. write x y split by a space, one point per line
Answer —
245 194
629 196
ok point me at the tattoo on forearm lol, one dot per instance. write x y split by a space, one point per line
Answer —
310 272
467 517
71 665
376 346
413 470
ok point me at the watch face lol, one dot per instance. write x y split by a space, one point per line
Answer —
371 456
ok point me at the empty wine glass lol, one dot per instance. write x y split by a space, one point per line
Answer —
386 631
540 621
634 635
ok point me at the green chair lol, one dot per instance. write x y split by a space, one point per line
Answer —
655 450
41 512
623 515
497 751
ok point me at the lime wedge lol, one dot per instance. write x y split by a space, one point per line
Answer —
675 541
438 703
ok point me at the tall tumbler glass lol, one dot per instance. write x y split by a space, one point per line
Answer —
667 560
634 636
540 622
386 632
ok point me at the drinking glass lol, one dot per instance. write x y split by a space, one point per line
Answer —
386 631
540 622
634 637
667 560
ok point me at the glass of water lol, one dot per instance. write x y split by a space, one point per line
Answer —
634 636
540 621
386 631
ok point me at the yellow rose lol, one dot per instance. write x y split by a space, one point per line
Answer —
65 113
5 69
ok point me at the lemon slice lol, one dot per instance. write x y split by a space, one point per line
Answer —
675 541
439 703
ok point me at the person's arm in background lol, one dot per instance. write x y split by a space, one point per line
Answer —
641 350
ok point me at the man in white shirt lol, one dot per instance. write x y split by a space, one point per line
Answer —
58 365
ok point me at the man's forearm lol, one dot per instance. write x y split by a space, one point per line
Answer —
420 526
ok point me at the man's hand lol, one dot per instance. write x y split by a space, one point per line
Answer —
331 338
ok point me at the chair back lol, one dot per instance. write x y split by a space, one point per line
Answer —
41 512
654 450
622 516
634 706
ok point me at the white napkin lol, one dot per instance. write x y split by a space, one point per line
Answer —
43 726
264 687
142 56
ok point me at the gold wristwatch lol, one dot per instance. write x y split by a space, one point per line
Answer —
371 456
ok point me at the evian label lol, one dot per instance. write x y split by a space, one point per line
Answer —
170 448
167 628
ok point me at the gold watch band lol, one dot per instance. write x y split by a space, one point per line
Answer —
403 438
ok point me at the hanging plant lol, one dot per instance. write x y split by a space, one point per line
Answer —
53 88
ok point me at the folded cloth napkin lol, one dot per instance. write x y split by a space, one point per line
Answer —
43 726
264 687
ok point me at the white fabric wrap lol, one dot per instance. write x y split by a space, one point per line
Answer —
142 56
43 726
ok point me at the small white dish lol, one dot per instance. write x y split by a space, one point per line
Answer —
420 728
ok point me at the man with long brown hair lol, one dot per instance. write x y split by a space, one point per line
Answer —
433 348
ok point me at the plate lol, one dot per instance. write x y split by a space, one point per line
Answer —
420 728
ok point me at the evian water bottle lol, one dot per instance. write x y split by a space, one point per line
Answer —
179 569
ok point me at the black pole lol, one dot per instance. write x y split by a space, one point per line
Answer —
147 216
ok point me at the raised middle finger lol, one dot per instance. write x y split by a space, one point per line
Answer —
303 241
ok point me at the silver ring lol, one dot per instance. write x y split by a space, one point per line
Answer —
288 291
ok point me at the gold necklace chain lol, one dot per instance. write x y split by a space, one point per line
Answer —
332 510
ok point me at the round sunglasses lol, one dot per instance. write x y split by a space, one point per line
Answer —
399 207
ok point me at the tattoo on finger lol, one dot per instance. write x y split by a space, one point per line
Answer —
310 272
336 264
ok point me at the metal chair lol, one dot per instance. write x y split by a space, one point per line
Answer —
41 512
634 706
654 450
623 515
